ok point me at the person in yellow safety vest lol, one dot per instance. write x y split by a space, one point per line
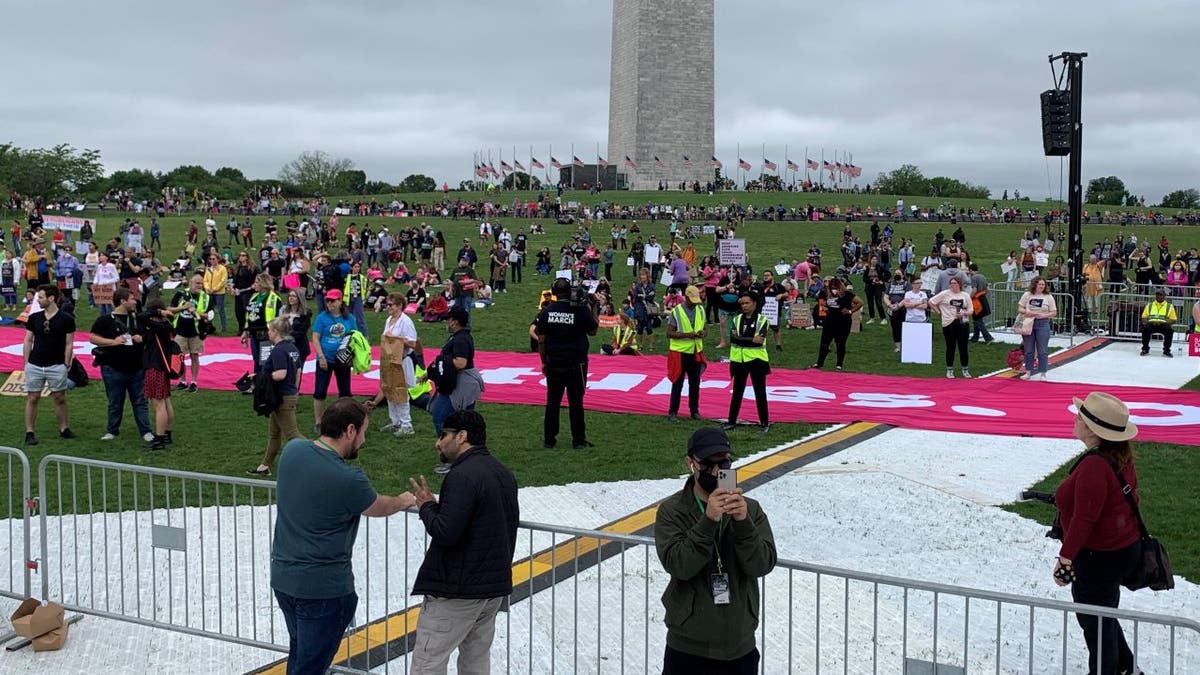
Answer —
190 306
354 294
685 352
624 340
1158 317
420 393
262 307
748 357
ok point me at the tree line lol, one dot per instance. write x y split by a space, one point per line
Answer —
67 173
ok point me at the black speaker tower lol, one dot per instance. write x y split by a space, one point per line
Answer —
1054 119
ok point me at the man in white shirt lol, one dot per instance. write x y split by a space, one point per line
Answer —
652 254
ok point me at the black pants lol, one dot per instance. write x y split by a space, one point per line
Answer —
572 379
239 309
678 663
691 371
1162 329
875 300
980 328
1098 577
757 371
897 321
956 337
834 331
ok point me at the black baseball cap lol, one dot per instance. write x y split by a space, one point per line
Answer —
707 442
460 315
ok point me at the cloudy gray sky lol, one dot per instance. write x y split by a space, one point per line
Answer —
404 87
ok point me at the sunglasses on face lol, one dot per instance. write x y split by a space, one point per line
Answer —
708 465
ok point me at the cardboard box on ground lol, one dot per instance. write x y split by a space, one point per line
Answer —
45 624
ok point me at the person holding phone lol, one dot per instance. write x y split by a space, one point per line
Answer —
715 543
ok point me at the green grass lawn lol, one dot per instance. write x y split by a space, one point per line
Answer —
217 433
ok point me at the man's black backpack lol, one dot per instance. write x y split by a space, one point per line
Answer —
266 393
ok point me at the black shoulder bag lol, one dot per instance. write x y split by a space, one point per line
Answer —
1153 571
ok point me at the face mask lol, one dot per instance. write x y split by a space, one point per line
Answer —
706 480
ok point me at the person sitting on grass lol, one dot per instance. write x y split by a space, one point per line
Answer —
624 338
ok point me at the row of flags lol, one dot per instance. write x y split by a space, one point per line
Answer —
488 169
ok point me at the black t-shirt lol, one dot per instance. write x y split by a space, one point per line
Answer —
186 322
125 358
285 356
835 304
49 337
566 329
274 267
459 345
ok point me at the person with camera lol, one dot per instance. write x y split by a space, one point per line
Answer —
563 328
189 308
118 352
715 543
1098 526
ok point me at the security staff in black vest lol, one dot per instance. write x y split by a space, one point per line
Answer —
563 328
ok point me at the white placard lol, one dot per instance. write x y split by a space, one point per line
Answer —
563 274
916 342
81 248
591 285
770 309
666 278
709 229
731 251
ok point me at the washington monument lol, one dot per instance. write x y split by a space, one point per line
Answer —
661 98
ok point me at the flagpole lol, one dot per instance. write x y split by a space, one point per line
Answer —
739 165
546 166
531 166
762 169
597 164
786 159
573 167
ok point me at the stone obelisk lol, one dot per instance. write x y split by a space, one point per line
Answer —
661 97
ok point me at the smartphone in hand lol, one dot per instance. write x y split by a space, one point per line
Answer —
727 478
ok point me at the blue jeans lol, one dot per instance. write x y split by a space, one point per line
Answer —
116 385
356 309
1037 342
218 307
440 408
467 302
315 629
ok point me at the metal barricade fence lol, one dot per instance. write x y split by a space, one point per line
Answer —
1004 302
1116 310
16 577
190 553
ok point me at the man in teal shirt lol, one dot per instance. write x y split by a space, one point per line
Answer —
319 499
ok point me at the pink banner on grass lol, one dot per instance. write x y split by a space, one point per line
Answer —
638 385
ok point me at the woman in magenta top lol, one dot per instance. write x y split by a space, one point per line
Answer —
1101 541
1177 278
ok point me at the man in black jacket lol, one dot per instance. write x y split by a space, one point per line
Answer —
467 572
563 328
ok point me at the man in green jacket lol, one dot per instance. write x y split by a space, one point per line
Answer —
715 543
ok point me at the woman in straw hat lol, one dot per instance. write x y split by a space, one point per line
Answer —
1101 542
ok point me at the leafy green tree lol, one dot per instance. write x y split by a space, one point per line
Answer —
1182 199
60 171
189 177
314 171
231 174
378 187
352 182
1106 190
941 186
417 182
768 181
143 183
521 181
905 180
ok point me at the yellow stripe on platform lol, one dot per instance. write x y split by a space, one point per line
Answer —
404 623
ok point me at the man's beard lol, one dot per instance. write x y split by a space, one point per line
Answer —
443 458
353 452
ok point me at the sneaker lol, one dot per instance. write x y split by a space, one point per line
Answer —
548 444
778 348
696 416
1169 355
1144 352
582 445
1042 378
815 365
950 373
387 428
897 350
442 469
838 368
147 437
192 388
405 431
182 386
159 443
966 373
108 437
30 438
764 428
672 417
1025 376
258 472
728 426
67 433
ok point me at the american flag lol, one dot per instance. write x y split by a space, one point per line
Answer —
743 164
811 164
555 163
630 163
716 162
827 166
492 170
505 167
769 165
517 165
575 161
855 171
687 161
792 166
481 171
838 166
536 164
659 163
600 160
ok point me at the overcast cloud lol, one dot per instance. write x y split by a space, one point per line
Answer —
403 87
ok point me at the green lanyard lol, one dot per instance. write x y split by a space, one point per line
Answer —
720 533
